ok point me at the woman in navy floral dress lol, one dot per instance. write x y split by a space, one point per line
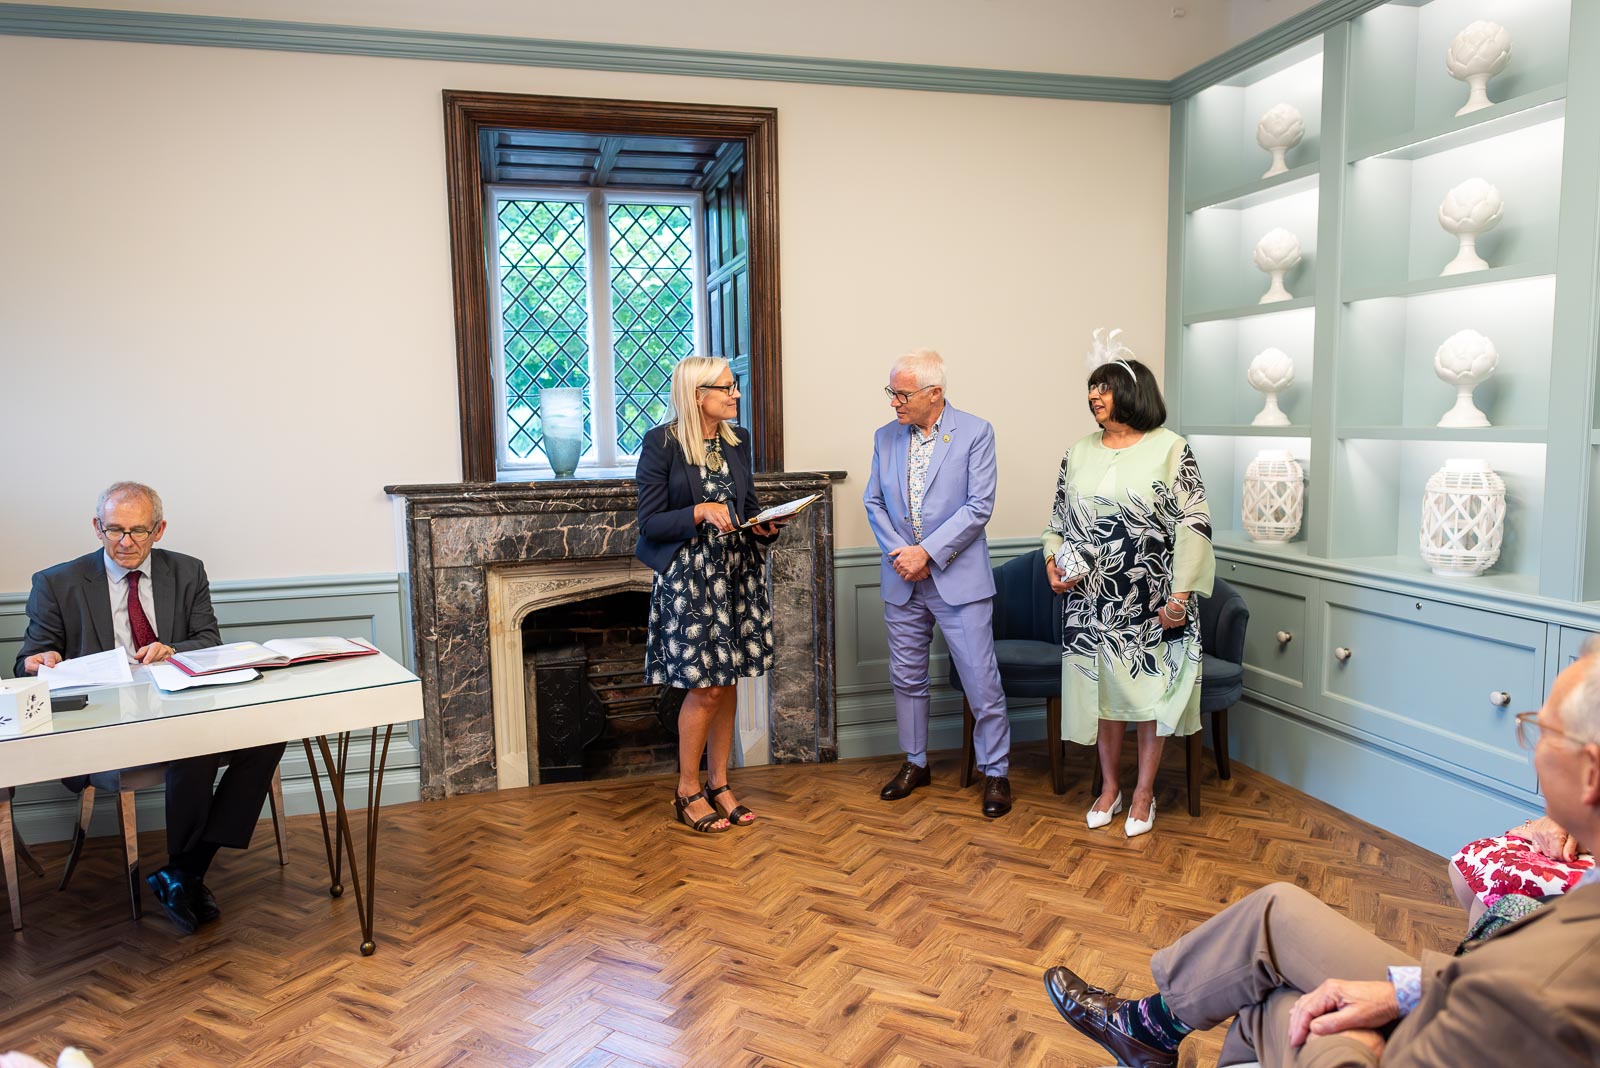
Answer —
710 612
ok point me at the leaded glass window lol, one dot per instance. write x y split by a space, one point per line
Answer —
614 333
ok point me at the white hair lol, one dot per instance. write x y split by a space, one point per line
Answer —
1580 713
130 489
925 365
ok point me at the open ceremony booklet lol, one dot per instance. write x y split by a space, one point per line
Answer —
781 511
280 652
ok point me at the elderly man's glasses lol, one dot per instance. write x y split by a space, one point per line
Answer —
730 389
901 396
140 535
1530 730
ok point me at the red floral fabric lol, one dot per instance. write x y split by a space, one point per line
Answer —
1508 864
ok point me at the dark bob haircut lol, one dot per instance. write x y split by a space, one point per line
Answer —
1137 402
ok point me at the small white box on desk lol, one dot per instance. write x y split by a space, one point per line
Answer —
24 706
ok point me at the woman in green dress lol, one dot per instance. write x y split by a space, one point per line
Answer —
1129 544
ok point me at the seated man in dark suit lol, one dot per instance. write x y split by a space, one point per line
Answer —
1310 988
152 604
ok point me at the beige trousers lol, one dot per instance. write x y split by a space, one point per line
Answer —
1254 959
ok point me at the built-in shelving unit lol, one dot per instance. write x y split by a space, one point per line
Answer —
1371 306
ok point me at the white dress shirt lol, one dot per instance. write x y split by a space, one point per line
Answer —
117 583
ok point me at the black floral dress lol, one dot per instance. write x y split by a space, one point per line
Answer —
710 611
1138 518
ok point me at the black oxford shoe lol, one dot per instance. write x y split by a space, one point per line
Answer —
173 896
1089 1009
205 906
908 778
996 795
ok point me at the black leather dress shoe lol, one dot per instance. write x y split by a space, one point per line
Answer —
1089 1009
205 906
169 889
996 795
908 778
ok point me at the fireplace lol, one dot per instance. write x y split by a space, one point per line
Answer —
485 558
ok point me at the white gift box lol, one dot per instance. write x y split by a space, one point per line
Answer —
24 705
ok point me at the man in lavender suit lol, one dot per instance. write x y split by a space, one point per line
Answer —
930 493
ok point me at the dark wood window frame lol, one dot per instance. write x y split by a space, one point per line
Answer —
466 115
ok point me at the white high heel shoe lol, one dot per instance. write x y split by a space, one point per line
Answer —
1134 828
1096 820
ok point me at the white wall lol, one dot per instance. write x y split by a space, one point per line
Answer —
226 272
1124 38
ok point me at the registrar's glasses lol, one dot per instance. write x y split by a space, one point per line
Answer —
730 389
901 396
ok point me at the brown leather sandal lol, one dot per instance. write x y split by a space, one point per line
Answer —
739 817
705 824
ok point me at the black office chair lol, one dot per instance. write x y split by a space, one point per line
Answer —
1223 618
1027 644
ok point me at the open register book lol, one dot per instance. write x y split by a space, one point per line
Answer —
280 652
781 511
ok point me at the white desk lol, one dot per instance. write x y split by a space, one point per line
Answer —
130 725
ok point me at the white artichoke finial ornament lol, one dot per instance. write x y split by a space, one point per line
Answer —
1277 253
1477 54
1107 347
1271 372
1279 130
1465 359
1474 207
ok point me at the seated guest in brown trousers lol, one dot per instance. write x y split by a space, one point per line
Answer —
153 604
1311 988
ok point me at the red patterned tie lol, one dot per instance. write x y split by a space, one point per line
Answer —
138 622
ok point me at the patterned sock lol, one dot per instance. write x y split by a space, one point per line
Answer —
1151 1022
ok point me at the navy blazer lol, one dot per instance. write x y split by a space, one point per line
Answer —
69 610
670 487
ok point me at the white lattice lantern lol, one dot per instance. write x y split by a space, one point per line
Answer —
1274 496
1277 253
1279 130
1271 372
1463 518
1477 54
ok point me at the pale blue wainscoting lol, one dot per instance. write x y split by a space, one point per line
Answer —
357 606
866 702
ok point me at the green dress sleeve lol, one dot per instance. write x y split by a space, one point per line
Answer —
1194 567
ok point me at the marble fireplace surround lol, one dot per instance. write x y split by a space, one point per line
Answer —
539 543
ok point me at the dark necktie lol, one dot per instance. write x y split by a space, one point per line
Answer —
138 622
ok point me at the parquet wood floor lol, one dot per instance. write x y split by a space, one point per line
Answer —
574 925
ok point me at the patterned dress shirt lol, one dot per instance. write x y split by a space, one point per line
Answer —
917 471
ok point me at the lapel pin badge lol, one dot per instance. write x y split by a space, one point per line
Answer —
947 439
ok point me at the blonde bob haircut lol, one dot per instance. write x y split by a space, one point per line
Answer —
691 373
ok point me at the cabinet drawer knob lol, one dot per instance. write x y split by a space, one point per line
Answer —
1342 653
1284 637
1500 698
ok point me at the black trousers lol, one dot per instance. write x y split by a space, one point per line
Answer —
227 816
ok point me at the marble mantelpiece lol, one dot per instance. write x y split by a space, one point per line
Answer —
457 533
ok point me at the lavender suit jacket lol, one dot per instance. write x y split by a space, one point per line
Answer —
956 504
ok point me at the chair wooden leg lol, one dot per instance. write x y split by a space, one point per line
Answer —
1052 735
275 799
1194 758
79 834
130 848
8 860
1219 742
967 757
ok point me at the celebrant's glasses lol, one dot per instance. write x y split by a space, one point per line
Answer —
730 389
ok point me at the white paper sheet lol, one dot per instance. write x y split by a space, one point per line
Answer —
170 679
109 668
